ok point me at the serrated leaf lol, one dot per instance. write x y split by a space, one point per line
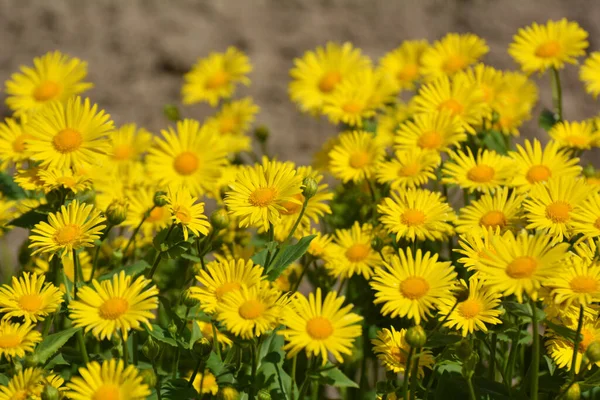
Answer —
52 343
260 258
160 334
56 360
132 270
191 257
32 217
335 377
288 255
449 366
441 340
4 380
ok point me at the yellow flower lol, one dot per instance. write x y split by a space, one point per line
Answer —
260 192
115 305
561 349
514 101
187 212
320 327
128 144
453 53
73 227
412 286
141 201
585 219
288 278
519 265
205 383
17 339
215 77
575 135
356 156
534 164
436 132
317 74
30 298
110 381
539 47
232 123
578 284
403 64
549 207
391 349
351 253
251 312
488 80
25 384
474 246
207 331
13 143
222 277
388 122
408 169
484 173
63 178
55 77
189 155
480 308
417 214
498 211
589 73
320 246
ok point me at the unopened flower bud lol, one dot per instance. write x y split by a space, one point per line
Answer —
151 349
261 133
416 336
593 352
188 300
148 377
310 187
263 394
589 171
160 199
202 348
464 349
172 328
31 360
171 111
50 393
377 244
219 219
574 392
228 393
116 212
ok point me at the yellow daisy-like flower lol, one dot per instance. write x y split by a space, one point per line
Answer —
251 312
539 47
28 179
13 143
480 308
187 212
63 178
113 305
320 246
111 380
260 192
518 265
408 169
534 164
7 213
128 144
73 227
356 156
392 350
585 219
390 120
403 64
474 246
141 201
486 79
498 211
417 214
316 75
30 298
69 135
438 131
205 383
579 284
207 331
589 73
232 123
453 53
561 349
549 206
413 286
464 101
288 278
320 327
575 135
514 101
189 155
351 253
485 173
55 77
17 339
25 384
222 277
215 77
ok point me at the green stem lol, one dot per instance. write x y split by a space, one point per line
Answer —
290 235
125 350
294 362
535 360
135 232
158 381
512 356
154 265
492 366
79 334
135 340
195 373
254 356
557 94
97 253
466 197
443 321
48 324
216 345
414 377
576 342
374 199
406 374
306 382
472 395
76 271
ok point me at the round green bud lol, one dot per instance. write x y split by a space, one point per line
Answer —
464 349
377 244
219 219
31 360
151 349
593 351
171 111
160 199
589 171
148 377
416 336
310 187
188 300
202 348
228 393
172 328
261 133
263 394
50 393
574 392
116 212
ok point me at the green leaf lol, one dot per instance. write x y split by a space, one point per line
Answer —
494 140
547 119
335 377
4 380
196 334
161 335
287 256
523 311
56 360
551 364
562 330
260 258
440 340
270 372
449 366
177 389
191 257
52 343
495 390
9 188
32 217
176 250
131 270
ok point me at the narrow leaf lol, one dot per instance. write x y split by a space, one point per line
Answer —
52 343
289 255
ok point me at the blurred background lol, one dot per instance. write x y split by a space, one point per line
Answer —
138 50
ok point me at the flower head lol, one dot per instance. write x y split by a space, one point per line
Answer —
392 350
451 54
356 156
29 297
17 339
187 212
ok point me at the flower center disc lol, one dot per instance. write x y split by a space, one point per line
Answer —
291 207
538 173
481 173
597 223
9 341
18 144
227 125
263 197
122 152
412 217
358 252
493 219
408 73
319 328
410 169
218 80
469 308
31 302
398 354
359 159
430 140
454 63
113 308
251 309
522 267
451 105
548 49
156 214
226 288
577 140
558 211
353 107
186 163
183 214
47 90
583 284
67 234
414 287
329 81
107 391
67 140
